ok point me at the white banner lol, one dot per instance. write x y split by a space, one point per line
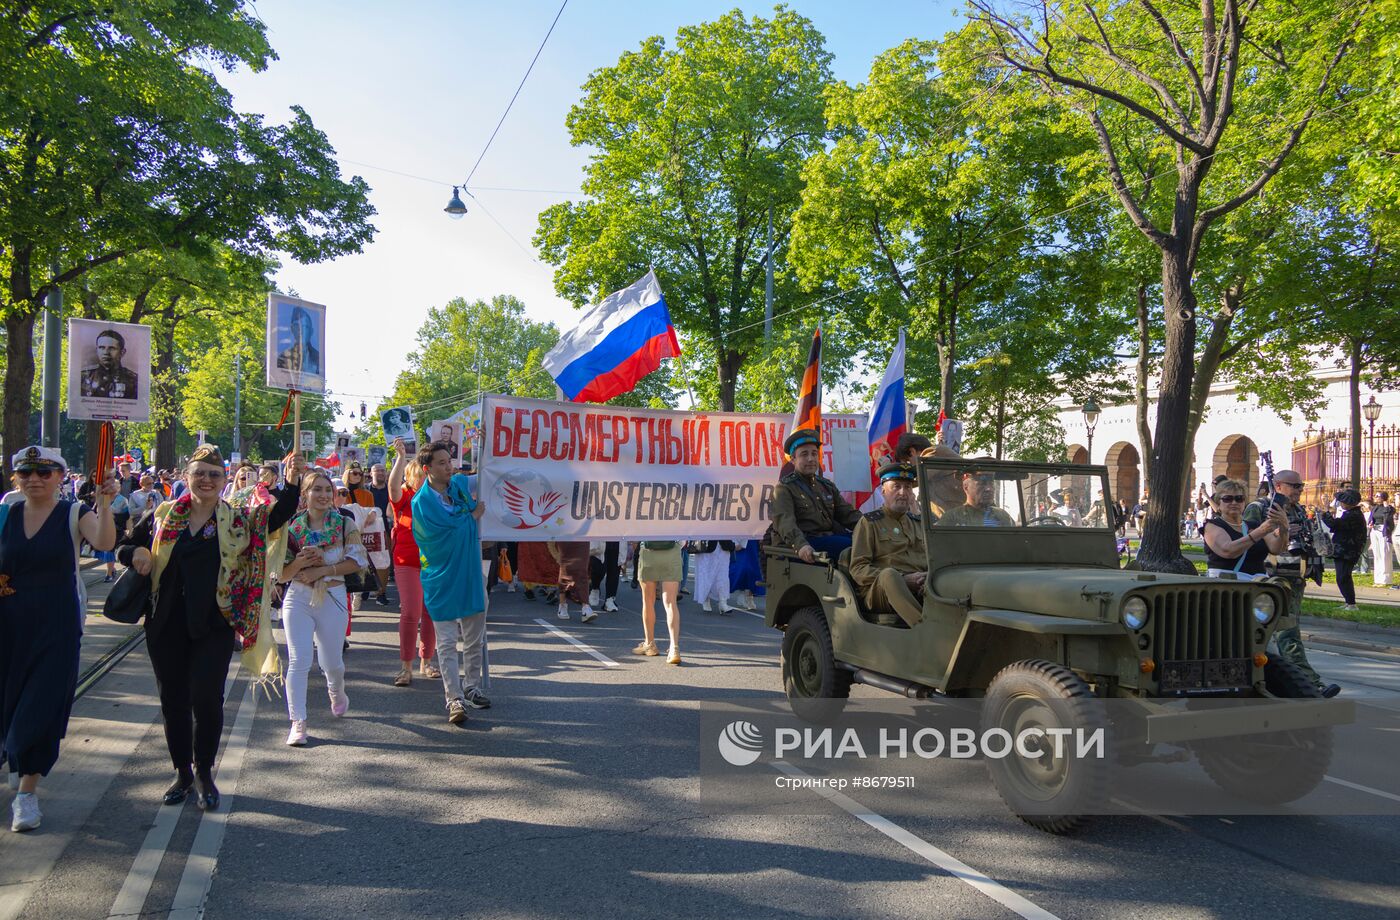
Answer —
583 471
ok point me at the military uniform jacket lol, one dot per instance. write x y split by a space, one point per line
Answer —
118 384
805 508
886 541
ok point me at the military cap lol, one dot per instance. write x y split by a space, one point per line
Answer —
898 471
799 438
35 457
207 453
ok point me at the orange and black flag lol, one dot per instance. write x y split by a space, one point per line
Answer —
809 391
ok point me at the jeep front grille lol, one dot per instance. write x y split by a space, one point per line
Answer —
1202 624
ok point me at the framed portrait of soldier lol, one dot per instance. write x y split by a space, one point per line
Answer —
109 371
398 423
296 344
308 441
376 453
451 432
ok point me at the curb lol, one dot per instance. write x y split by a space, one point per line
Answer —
1380 639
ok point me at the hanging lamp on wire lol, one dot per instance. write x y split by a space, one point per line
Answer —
456 208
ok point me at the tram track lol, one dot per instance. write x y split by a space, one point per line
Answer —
112 657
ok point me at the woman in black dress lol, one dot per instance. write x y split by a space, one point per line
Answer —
41 619
1348 542
207 564
1231 546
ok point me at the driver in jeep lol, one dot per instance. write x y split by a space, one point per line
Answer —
888 561
809 513
979 509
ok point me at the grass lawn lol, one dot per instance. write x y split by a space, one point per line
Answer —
1370 614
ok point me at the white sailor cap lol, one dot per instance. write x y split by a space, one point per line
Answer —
36 456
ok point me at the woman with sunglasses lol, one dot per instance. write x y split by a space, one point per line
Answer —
41 617
208 565
1233 547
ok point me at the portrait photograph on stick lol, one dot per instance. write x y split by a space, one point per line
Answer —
296 340
398 423
109 371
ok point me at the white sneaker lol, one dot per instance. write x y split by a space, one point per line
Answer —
725 610
705 606
510 588
25 813
748 600
563 611
593 599
1350 607
14 781
297 736
588 615
610 605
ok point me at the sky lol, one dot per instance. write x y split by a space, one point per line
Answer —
408 94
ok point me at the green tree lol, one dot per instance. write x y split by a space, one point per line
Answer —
116 138
693 148
1219 96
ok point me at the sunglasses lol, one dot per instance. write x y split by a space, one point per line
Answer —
41 472
206 474
1229 498
1291 485
343 492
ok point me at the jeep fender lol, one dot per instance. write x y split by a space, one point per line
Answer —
992 639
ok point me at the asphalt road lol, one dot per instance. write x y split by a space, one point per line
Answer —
576 795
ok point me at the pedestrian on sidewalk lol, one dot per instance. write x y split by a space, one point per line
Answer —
208 565
1348 540
445 515
415 627
323 549
712 574
1382 527
41 617
659 569
604 572
1292 567
1233 547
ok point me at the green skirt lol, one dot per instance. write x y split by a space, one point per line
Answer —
660 564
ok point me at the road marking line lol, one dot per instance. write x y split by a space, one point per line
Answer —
940 858
204 852
577 644
131 900
1360 788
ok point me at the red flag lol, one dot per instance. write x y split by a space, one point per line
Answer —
809 391
328 462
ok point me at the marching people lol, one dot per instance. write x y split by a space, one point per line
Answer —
1233 547
604 576
712 574
746 572
1382 527
809 513
888 561
1292 567
379 492
445 516
415 627
144 498
573 556
41 617
659 568
323 547
371 524
1348 542
207 561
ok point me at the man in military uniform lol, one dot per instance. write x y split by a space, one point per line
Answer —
809 514
979 508
108 379
1290 568
888 561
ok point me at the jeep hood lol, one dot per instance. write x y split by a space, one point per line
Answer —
1053 590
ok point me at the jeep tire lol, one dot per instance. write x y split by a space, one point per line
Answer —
1053 793
816 686
1277 767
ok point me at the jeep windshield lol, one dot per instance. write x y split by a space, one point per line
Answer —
988 493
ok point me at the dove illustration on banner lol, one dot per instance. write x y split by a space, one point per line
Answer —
531 511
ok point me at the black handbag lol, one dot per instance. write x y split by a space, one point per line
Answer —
130 598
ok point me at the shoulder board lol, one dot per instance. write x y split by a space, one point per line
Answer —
789 479
875 515
823 479
915 518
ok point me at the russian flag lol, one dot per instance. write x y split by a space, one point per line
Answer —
889 418
615 344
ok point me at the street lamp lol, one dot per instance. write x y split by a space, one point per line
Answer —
456 209
1091 418
1372 411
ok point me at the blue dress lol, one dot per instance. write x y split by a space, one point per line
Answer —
40 632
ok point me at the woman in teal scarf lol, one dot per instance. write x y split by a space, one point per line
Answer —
445 527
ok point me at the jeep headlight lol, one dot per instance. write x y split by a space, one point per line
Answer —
1135 613
1264 608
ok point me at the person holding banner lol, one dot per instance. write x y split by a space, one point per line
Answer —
208 562
41 617
445 516
405 479
809 513
660 567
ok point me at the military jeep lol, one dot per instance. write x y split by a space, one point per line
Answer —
1037 619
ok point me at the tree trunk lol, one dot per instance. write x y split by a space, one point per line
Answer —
1161 538
1206 368
19 384
728 369
163 393
1144 366
945 379
1354 390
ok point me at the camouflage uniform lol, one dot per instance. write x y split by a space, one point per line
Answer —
1288 571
